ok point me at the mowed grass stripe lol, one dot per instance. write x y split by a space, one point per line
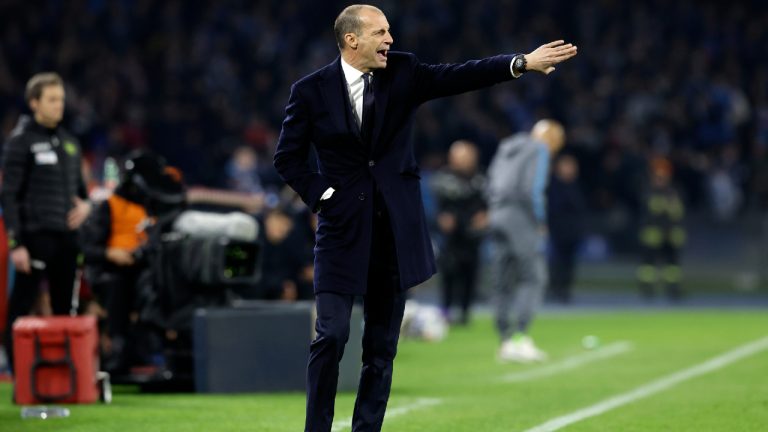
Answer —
654 387
570 363
392 412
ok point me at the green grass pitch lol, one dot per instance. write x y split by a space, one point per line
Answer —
457 385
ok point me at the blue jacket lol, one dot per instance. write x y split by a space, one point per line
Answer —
319 114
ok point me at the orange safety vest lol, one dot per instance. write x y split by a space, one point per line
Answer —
126 217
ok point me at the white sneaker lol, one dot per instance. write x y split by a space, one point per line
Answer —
510 352
520 349
529 350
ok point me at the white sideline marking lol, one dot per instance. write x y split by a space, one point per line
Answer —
569 363
394 412
653 387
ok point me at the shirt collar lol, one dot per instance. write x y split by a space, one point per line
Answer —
351 74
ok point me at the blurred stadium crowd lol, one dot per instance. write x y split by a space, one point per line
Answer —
199 81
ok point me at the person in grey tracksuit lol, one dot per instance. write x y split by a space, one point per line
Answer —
517 181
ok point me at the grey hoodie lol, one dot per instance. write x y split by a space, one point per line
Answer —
518 175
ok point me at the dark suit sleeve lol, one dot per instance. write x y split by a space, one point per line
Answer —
293 150
435 81
14 180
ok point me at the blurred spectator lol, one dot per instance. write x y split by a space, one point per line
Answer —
726 180
112 241
461 219
284 260
566 219
662 235
243 171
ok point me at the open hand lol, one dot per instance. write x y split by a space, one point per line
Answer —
79 213
20 259
544 58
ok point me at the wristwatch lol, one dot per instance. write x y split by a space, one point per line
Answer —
519 64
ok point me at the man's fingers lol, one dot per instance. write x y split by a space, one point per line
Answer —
552 53
554 43
564 49
563 57
23 266
74 220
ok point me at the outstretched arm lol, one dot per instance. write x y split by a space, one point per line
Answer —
440 80
434 81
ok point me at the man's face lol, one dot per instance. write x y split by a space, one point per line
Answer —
277 227
49 108
374 41
567 169
462 158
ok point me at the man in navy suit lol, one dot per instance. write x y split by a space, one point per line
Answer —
372 237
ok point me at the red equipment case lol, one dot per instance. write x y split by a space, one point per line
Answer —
55 360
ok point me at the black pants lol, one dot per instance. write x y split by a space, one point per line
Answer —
561 271
384 303
116 292
459 277
58 250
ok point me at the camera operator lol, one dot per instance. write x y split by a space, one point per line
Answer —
113 240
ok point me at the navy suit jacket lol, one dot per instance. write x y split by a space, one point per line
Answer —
319 113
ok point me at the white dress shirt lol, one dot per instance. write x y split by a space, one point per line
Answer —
355 86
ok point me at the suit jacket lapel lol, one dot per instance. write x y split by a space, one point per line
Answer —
381 91
336 98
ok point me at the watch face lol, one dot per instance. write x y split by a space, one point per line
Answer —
518 63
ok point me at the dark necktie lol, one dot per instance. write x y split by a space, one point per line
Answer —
366 128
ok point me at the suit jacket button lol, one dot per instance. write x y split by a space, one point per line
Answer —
361 197
371 163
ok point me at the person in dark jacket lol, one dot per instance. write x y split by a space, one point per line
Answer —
461 218
44 202
566 208
113 239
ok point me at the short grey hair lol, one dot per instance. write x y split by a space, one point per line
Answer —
348 21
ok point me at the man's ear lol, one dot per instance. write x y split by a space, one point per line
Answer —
33 104
351 40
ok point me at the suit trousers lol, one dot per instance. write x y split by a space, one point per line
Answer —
383 307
